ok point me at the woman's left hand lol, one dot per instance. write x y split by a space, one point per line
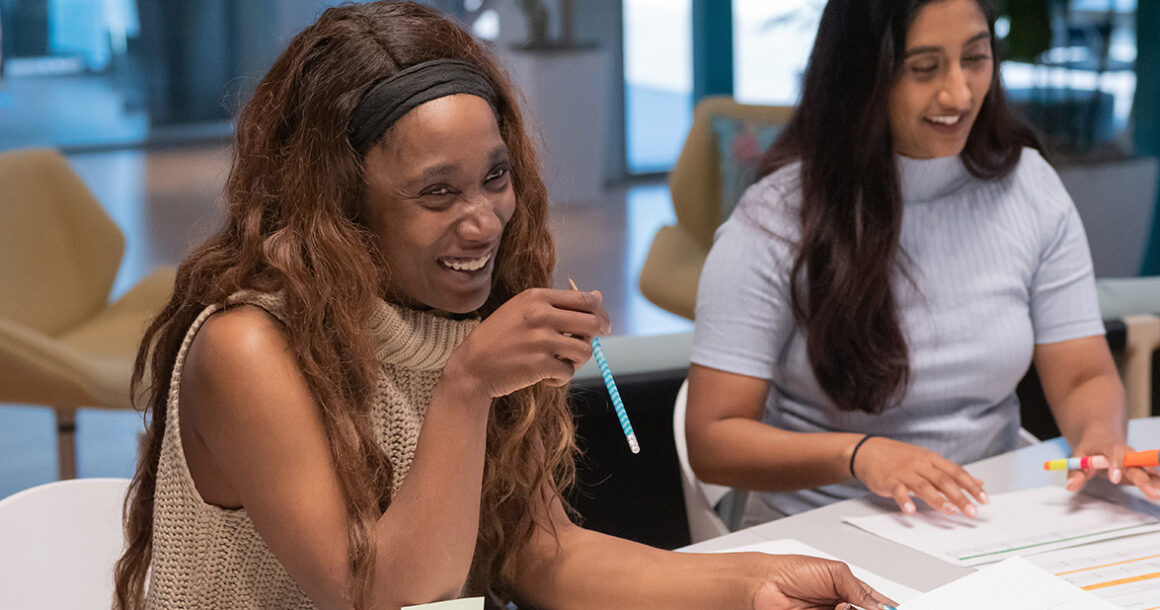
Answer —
798 581
1111 445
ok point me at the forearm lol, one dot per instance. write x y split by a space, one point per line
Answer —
1092 406
592 570
426 538
742 452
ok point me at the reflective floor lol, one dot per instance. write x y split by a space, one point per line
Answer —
168 200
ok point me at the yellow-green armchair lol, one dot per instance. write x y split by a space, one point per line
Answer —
673 265
62 343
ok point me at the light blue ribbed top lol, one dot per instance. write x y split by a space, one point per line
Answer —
994 268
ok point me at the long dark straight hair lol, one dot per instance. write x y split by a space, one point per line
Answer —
851 211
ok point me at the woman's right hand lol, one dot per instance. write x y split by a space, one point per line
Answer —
540 334
799 581
893 469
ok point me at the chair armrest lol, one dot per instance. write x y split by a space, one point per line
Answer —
1136 366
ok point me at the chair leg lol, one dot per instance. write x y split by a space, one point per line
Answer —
66 445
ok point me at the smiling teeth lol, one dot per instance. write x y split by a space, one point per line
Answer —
945 120
469 265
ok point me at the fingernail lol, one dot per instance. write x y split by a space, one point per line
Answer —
948 508
971 511
1115 475
983 498
908 508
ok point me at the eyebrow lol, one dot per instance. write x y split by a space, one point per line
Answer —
935 49
443 170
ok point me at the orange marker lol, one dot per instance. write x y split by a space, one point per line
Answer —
1140 459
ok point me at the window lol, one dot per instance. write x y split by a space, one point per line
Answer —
658 74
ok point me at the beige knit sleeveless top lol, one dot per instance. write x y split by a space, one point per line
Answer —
205 556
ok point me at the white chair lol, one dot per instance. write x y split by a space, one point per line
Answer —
701 498
58 544
1027 439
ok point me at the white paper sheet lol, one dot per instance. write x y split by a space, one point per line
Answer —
1124 571
1019 523
1012 584
893 590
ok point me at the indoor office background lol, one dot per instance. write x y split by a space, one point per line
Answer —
139 95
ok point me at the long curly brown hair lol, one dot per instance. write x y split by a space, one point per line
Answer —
292 227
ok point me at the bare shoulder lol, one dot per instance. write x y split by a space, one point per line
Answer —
240 359
244 332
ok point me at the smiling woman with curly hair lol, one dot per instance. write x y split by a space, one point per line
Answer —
357 391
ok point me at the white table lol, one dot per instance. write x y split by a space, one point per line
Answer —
824 529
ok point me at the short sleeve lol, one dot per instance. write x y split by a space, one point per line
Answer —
1063 297
743 314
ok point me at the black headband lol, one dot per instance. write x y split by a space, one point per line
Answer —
396 95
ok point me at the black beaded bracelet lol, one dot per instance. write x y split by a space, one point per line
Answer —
854 453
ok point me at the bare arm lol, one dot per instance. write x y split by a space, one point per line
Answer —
256 422
255 438
1087 399
585 569
730 445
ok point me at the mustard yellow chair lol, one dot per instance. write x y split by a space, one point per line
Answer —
673 265
62 343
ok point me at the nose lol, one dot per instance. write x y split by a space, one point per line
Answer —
480 221
954 93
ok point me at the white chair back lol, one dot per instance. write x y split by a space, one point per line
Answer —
58 544
700 497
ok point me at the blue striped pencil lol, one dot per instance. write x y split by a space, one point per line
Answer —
606 373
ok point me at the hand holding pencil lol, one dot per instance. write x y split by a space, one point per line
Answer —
539 335
613 392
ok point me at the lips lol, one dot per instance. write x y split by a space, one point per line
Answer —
947 124
465 264
948 120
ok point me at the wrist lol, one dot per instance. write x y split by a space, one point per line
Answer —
1098 436
457 386
854 450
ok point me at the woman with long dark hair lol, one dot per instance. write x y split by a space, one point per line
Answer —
356 392
868 309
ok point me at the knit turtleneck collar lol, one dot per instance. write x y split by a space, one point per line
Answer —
416 339
931 179
404 337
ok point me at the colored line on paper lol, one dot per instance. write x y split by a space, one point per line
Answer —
1106 565
1047 542
1122 581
